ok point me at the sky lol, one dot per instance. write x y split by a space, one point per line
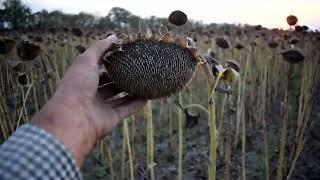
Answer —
269 13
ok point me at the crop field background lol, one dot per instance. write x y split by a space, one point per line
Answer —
266 119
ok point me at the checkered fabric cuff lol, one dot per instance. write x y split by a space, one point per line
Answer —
32 153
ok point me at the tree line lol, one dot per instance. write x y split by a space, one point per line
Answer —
16 16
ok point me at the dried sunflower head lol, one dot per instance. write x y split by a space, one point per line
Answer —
293 40
298 29
273 43
305 28
77 32
6 45
216 67
151 69
23 79
239 46
178 18
258 27
232 64
292 20
222 43
293 56
80 48
38 39
28 51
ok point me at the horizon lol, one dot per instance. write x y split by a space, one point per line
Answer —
271 14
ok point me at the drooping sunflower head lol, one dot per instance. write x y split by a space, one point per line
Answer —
149 67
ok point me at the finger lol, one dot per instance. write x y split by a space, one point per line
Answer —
94 53
129 108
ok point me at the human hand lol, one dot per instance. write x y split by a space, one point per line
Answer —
78 113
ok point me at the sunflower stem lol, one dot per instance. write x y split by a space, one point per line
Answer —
150 161
180 155
126 134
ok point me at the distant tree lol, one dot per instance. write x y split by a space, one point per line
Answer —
123 18
133 21
84 20
2 14
56 19
105 23
16 13
19 16
154 21
40 19
2 21
119 16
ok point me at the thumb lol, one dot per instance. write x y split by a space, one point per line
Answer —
98 49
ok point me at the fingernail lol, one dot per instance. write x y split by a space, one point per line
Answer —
113 38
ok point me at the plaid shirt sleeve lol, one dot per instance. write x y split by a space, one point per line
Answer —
32 153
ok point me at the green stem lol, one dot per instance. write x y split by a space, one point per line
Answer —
211 120
126 133
150 161
228 141
213 145
110 163
238 112
212 130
